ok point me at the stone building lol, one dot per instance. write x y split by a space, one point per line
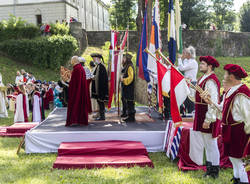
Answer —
93 14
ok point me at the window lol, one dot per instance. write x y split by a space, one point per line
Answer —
38 19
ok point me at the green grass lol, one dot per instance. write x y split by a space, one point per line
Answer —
8 69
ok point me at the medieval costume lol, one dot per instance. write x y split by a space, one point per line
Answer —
206 115
99 88
77 112
128 82
3 109
236 123
37 110
22 107
49 97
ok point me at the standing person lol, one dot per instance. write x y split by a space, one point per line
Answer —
49 96
128 85
25 75
19 78
3 109
31 78
94 104
235 121
22 105
37 110
89 77
205 119
77 112
99 88
188 65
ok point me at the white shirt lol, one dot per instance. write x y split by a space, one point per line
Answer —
241 107
211 86
189 67
19 79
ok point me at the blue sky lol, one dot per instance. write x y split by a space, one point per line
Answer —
237 3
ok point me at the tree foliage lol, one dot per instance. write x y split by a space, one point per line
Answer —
223 14
245 17
122 14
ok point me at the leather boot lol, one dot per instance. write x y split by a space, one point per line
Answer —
130 118
101 117
209 167
124 115
215 171
235 180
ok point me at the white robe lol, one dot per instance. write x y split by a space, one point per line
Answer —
19 114
36 115
3 109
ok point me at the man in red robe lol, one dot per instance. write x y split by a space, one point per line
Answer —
78 96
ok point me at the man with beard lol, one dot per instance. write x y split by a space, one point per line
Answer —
99 89
205 120
128 81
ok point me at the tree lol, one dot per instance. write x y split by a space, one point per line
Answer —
245 17
122 14
223 14
194 13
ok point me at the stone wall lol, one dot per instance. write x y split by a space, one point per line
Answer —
216 43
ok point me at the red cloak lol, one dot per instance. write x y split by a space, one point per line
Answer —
49 97
78 102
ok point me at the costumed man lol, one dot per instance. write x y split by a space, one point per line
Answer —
128 82
99 88
205 119
22 105
49 96
77 113
3 109
236 121
64 83
37 110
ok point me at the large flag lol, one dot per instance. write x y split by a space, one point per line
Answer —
178 26
142 57
163 82
178 93
113 67
171 33
155 40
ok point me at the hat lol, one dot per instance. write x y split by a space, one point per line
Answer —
210 60
81 60
236 70
96 55
128 56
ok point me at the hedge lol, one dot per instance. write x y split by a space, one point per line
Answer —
49 52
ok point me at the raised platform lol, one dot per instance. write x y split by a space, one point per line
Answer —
47 136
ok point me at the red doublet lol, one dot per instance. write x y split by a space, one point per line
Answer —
201 108
78 103
234 137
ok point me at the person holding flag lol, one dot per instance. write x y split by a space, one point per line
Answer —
205 120
128 85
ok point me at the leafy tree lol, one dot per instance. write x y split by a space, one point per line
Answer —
194 13
245 17
122 13
223 14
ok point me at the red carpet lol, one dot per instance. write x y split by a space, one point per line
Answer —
78 155
16 130
102 148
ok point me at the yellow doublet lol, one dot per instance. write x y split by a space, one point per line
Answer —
130 77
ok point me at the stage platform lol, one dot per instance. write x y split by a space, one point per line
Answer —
47 136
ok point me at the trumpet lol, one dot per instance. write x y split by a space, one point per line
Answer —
196 87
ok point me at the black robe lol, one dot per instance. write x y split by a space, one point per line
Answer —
99 88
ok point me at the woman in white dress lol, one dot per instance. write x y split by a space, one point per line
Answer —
3 109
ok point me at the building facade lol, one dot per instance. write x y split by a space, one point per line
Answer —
93 14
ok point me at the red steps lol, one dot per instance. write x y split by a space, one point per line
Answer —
17 129
98 154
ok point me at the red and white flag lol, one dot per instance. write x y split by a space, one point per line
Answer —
178 93
163 81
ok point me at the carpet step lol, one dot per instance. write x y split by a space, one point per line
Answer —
90 162
20 127
102 148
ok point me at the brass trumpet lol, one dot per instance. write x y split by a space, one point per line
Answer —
196 87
